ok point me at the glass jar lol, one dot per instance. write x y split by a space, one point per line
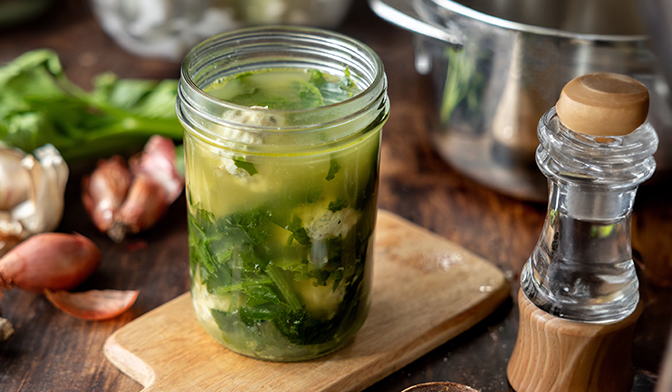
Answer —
282 202
582 267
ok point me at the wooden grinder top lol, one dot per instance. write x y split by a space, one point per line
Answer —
603 104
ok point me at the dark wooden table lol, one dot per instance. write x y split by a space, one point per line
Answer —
52 351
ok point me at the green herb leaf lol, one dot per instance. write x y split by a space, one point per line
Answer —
347 85
299 233
39 105
295 95
281 283
261 294
247 166
317 79
336 205
334 167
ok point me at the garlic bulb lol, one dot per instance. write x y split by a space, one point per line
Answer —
32 189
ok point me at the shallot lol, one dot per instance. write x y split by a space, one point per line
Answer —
158 160
93 304
105 190
146 203
54 261
122 202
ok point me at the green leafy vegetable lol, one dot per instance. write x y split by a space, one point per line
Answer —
247 166
347 85
334 167
336 205
317 79
242 265
295 95
299 233
276 276
39 105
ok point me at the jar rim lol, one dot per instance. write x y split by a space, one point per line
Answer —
280 33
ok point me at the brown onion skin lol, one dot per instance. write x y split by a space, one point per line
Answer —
54 261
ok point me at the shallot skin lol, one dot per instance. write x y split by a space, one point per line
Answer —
104 191
123 200
157 160
54 261
144 206
93 305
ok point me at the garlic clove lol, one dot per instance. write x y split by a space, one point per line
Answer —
104 191
32 189
11 232
43 209
14 180
93 304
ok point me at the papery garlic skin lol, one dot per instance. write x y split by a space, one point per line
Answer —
33 192
14 181
44 208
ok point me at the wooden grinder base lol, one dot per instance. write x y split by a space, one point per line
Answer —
558 355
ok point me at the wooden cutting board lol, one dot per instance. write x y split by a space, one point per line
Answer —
426 290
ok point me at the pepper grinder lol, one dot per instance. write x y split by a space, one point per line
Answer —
579 298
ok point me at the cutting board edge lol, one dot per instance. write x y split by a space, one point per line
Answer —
490 303
131 365
141 372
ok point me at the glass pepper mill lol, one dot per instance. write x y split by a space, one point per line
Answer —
579 294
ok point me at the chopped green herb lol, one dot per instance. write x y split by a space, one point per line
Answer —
277 277
347 85
553 214
317 79
334 167
299 233
336 205
236 248
247 166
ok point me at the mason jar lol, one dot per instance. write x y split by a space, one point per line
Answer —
282 146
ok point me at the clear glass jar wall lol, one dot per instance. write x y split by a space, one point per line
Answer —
282 202
582 267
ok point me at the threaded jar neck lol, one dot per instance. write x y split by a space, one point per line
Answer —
281 47
615 161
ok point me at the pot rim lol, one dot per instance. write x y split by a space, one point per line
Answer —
511 25
404 13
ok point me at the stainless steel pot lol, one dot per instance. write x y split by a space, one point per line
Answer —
497 66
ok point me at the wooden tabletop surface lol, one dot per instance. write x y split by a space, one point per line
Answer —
52 351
